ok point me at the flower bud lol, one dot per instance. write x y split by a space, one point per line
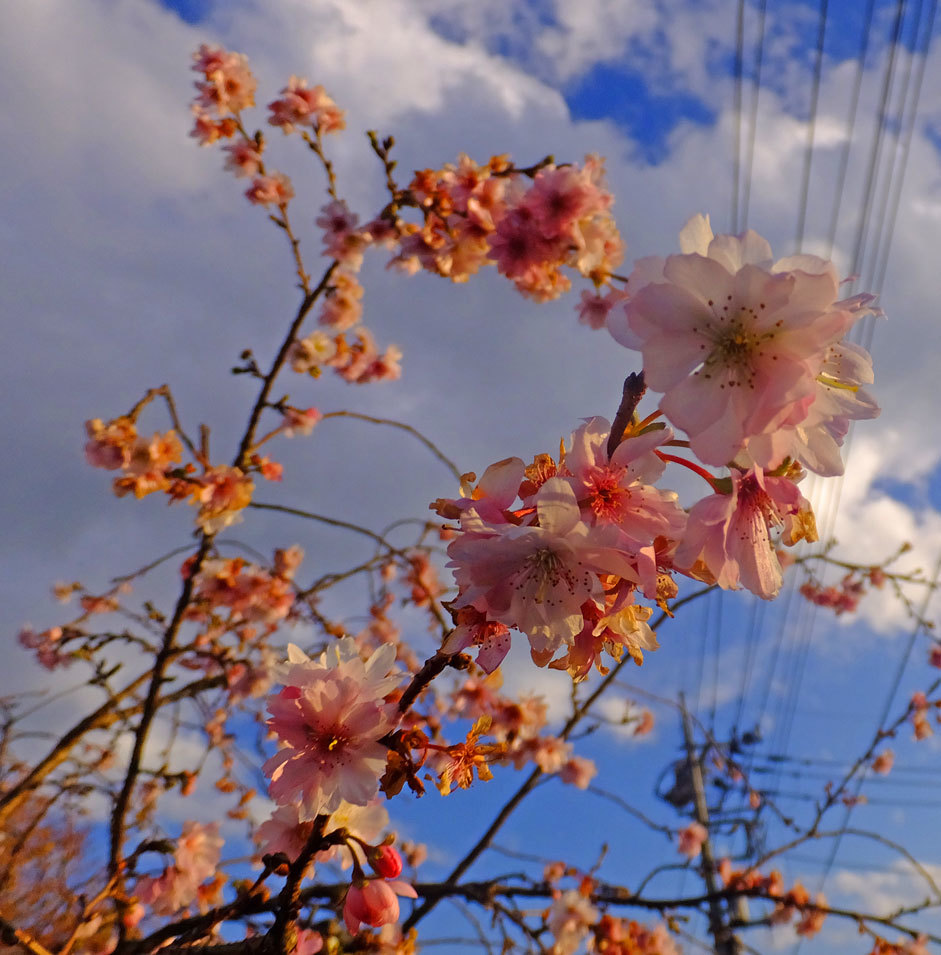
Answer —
386 861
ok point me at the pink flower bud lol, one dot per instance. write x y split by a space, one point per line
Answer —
372 903
386 861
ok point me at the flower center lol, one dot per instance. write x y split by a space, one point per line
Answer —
736 347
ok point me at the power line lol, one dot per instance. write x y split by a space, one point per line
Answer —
922 55
812 126
850 125
753 119
739 56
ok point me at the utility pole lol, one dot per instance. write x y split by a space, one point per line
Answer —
725 941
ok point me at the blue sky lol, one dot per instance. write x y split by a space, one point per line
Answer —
134 258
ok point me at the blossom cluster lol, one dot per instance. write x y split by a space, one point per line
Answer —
219 493
476 215
757 378
576 924
184 881
788 902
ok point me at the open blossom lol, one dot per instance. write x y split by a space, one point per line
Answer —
109 444
840 398
329 718
265 190
734 340
301 105
229 85
222 493
619 490
300 421
594 307
570 917
691 839
195 860
536 578
308 354
286 832
340 238
730 533
342 305
244 157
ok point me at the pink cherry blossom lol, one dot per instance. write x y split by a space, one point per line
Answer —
196 858
309 942
244 158
734 340
229 85
594 307
300 421
272 189
578 772
569 918
474 629
303 106
536 578
329 719
691 839
619 491
730 533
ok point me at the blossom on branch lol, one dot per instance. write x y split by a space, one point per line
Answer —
728 534
329 718
747 352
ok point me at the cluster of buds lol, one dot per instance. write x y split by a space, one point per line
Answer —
919 708
373 900
787 902
219 492
845 597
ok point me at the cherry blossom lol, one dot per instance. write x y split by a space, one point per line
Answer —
274 189
536 578
729 533
691 839
229 85
329 718
195 860
733 340
303 106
